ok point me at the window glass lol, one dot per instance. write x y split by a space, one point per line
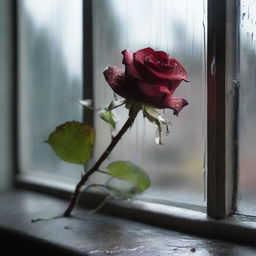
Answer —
50 78
179 28
247 113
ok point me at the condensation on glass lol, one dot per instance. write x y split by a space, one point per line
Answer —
177 168
247 112
50 78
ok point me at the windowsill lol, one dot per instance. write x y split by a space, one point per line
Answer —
92 234
174 216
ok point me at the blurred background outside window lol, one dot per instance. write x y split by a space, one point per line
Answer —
247 112
51 78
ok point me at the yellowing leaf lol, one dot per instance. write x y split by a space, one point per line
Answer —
155 117
109 117
128 171
122 189
73 142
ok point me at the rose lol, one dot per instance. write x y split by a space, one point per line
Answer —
150 77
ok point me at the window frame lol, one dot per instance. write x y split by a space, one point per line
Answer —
222 150
222 67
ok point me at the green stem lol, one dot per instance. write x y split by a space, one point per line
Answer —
95 167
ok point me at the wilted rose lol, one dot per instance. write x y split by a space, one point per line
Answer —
150 77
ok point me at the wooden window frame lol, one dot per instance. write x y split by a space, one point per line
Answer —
222 67
222 150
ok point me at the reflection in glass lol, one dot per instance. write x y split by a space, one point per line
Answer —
50 76
247 113
177 27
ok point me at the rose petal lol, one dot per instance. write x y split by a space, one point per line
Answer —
144 58
180 71
130 68
153 90
157 67
159 61
176 104
139 56
172 86
115 78
161 54
174 71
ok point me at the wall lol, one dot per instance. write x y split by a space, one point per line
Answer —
5 99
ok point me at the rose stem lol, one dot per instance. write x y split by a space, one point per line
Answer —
114 141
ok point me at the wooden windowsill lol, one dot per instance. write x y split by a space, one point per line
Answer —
96 234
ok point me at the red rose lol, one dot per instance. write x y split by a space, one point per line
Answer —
150 77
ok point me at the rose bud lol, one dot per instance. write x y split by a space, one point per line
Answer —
150 77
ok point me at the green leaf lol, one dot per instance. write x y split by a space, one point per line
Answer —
73 142
121 189
128 171
109 117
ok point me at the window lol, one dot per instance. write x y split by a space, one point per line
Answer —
50 62
64 47
50 79
247 117
179 28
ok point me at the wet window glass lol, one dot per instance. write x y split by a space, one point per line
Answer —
247 113
178 28
50 78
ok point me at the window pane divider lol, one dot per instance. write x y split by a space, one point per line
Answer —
222 63
15 89
222 107
87 59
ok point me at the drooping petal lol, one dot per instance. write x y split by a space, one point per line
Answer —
115 78
130 68
176 104
172 86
